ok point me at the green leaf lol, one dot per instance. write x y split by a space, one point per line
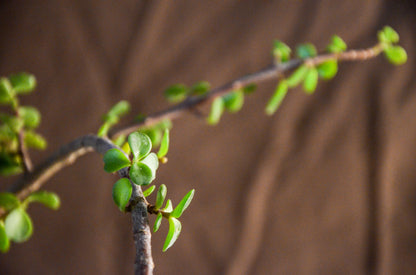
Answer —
176 93
217 108
34 140
281 51
103 131
175 228
149 191
250 88
23 83
8 201
152 161
164 145
15 123
181 207
154 134
18 225
120 140
30 116
388 35
6 91
161 195
122 190
277 98
311 80
9 165
304 51
200 88
297 76
158 222
234 101
140 145
4 240
396 55
168 207
118 110
114 160
141 174
48 199
337 45
328 69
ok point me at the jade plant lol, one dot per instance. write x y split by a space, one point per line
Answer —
128 150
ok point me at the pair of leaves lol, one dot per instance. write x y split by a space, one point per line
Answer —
172 214
21 83
18 226
395 54
179 92
232 102
113 116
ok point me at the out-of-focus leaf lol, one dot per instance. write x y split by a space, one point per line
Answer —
328 69
4 240
176 93
164 145
34 140
277 98
311 80
48 199
234 101
18 225
8 201
23 83
217 108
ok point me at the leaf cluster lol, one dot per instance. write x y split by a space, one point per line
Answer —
19 120
168 212
17 225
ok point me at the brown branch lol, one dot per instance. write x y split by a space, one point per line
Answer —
67 154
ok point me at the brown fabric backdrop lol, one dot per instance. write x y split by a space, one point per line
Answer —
326 186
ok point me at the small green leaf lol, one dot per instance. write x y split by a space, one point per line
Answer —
141 174
48 199
164 145
311 80
328 69
337 45
168 207
8 201
149 191
181 207
175 228
388 35
34 140
297 76
217 108
161 195
304 51
122 190
9 165
23 83
200 88
234 101
396 55
250 88
158 222
152 161
4 240
176 93
18 225
118 110
120 140
6 91
281 51
30 115
140 145
114 160
154 134
277 98
103 131
15 123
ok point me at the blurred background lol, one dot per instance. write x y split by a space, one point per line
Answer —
325 186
